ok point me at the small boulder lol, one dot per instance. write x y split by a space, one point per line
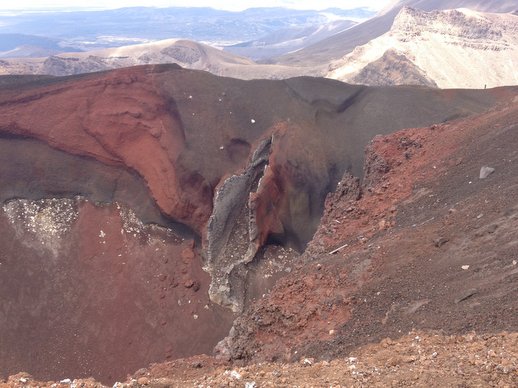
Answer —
485 171
439 242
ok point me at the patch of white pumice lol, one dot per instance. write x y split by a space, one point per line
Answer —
45 223
131 224
47 220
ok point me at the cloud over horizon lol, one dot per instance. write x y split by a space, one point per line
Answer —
225 4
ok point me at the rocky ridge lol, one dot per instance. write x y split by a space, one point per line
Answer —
417 359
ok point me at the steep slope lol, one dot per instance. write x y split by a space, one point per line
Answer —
341 44
188 54
137 202
452 49
426 242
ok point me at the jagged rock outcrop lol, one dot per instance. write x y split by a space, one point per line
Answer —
232 228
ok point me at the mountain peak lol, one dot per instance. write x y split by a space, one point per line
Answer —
457 48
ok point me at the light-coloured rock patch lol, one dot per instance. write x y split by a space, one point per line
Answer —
44 222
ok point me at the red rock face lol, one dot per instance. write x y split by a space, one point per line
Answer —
285 191
120 118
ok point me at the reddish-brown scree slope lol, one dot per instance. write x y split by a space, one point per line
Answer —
134 204
423 243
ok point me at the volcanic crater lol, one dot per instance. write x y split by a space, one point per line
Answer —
145 209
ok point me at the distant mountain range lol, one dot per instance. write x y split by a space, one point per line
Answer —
186 53
88 30
435 43
288 40
22 45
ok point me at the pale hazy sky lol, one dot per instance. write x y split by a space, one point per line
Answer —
233 5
